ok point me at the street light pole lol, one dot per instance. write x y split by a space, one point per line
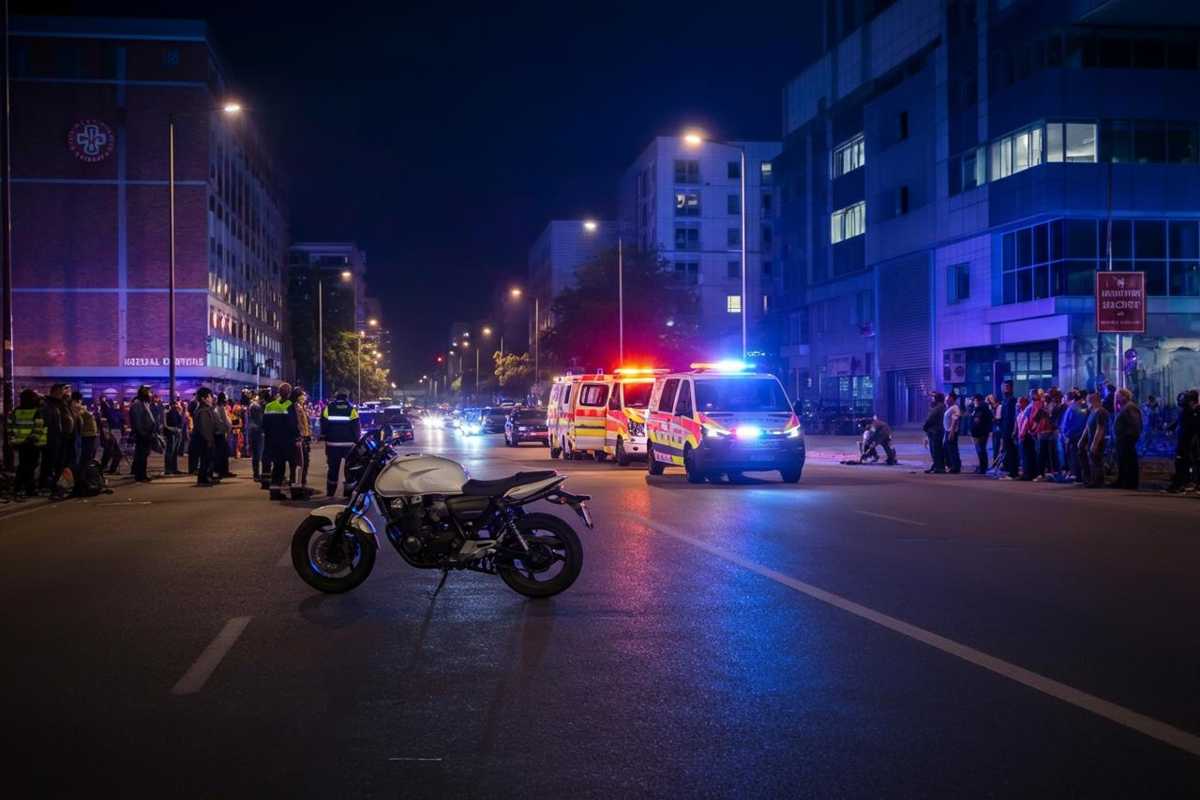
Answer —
171 266
621 302
537 335
321 340
10 386
359 395
745 307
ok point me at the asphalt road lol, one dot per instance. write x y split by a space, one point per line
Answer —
871 632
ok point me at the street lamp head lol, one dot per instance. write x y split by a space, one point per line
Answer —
515 292
590 225
373 322
347 274
466 345
486 331
693 138
232 107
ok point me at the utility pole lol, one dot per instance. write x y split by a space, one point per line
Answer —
9 400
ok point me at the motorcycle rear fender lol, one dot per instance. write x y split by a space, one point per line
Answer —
359 522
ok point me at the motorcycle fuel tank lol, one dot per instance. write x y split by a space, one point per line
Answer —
417 473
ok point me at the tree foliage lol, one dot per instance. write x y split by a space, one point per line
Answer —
342 361
513 371
661 315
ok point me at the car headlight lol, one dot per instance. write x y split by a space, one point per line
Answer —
794 433
522 428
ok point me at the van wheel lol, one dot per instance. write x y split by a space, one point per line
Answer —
555 452
622 456
600 456
653 465
694 475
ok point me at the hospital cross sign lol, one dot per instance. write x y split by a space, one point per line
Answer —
90 140
1120 302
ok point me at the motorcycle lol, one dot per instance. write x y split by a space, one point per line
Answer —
437 517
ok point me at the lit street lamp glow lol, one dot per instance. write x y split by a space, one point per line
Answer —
232 108
347 275
515 291
590 225
693 139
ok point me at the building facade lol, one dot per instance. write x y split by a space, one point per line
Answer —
684 203
326 279
954 174
92 99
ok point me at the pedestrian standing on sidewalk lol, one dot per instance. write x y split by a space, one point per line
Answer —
1128 428
265 396
1073 423
981 431
1092 442
173 433
141 421
89 432
27 433
221 438
951 424
1046 432
934 433
1008 431
204 437
1027 422
997 442
60 435
254 434
1187 431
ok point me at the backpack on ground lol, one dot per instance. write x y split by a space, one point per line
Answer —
90 481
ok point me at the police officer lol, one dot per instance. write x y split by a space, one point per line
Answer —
339 428
282 432
27 433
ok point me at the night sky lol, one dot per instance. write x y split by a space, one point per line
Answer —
442 136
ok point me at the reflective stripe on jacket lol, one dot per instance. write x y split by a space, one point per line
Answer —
339 424
24 423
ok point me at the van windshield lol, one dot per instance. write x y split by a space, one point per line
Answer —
740 394
637 395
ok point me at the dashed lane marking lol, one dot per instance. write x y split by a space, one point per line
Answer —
198 674
1113 712
889 517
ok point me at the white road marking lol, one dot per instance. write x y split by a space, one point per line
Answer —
1121 715
893 519
404 758
285 560
198 674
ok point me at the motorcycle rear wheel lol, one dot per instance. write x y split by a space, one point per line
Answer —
552 541
309 558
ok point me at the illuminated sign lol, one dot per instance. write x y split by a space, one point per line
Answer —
1120 302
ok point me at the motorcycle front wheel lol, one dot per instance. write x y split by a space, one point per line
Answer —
554 559
320 568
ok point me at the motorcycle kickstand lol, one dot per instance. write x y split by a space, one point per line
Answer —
441 583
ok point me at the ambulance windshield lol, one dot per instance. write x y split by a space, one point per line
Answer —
740 394
637 395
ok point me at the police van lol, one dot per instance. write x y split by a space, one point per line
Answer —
723 418
575 415
625 425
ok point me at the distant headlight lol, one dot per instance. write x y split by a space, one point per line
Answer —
522 428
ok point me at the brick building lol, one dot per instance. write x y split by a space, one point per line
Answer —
91 104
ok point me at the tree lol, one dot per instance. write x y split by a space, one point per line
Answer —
661 315
513 371
343 354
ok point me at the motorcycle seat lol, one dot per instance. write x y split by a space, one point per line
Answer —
499 486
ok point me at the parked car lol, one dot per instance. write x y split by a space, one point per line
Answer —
491 420
526 425
394 422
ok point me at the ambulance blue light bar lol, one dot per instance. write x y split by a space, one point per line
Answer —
725 365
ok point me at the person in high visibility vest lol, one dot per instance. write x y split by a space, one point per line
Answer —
282 432
340 430
27 433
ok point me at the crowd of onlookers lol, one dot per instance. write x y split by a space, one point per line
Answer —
63 442
1051 435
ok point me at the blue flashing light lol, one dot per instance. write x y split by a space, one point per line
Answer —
748 431
724 365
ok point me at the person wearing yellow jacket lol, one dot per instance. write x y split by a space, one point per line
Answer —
27 433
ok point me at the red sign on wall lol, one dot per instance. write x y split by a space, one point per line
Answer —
1120 302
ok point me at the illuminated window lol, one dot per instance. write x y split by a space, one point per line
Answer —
849 156
733 303
848 222
765 171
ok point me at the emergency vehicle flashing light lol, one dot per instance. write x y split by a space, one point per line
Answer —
725 365
637 371
748 431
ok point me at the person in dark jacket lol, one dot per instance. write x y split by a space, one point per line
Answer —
252 412
1008 431
203 440
1128 428
27 433
1187 430
141 421
934 433
265 396
340 430
221 440
1092 442
282 432
981 431
60 438
173 433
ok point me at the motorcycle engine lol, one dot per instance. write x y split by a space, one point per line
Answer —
424 532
